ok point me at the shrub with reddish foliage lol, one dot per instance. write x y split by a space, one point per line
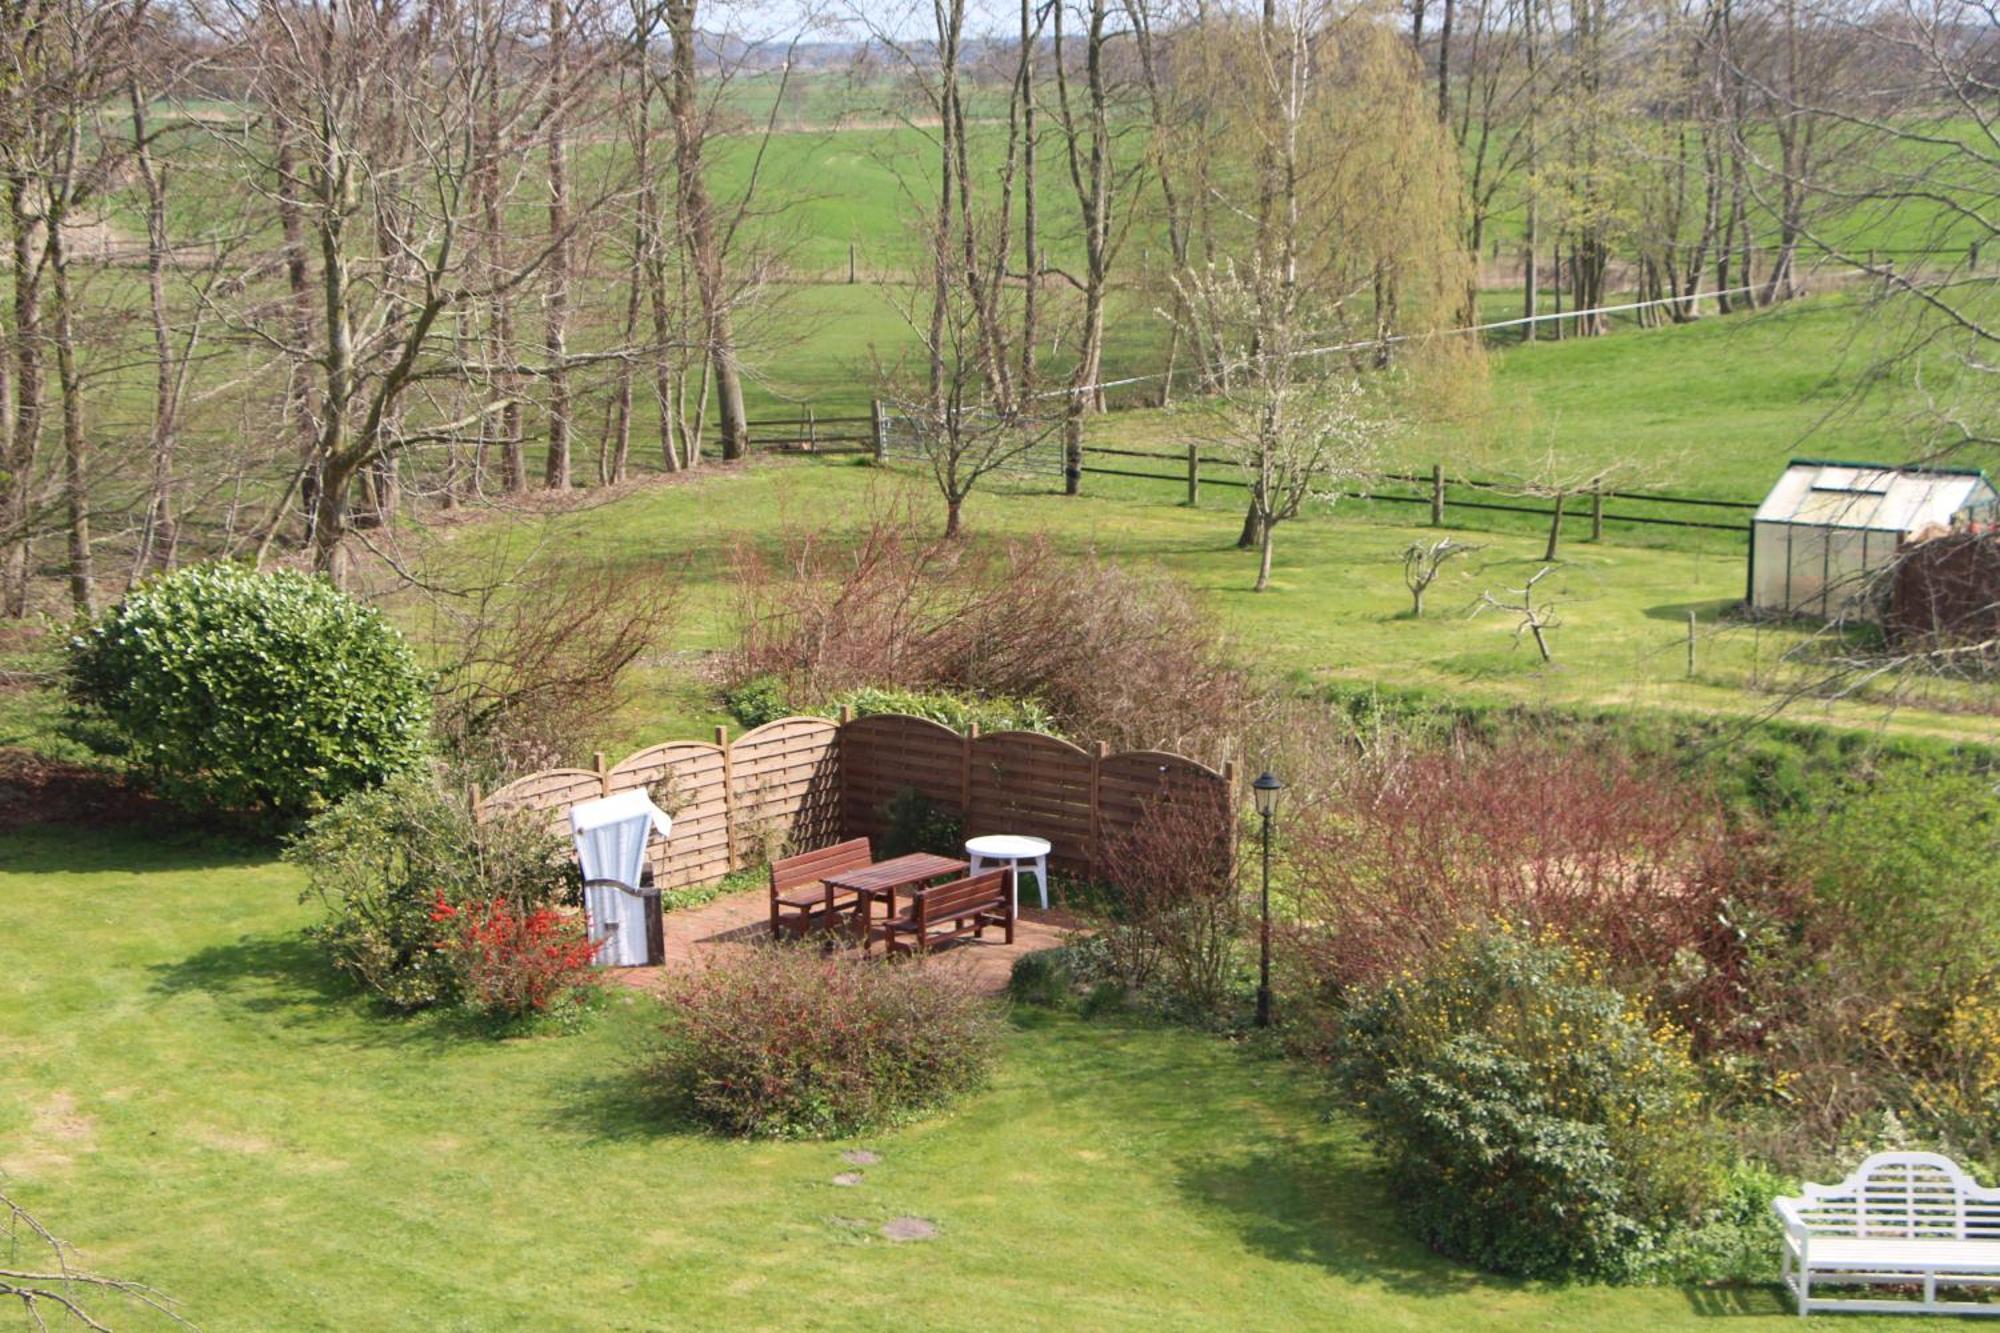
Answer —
1638 866
786 1042
1176 914
1117 655
514 963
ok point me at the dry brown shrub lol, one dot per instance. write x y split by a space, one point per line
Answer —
1178 911
1117 655
530 667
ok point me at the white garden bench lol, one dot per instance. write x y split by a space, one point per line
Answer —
1908 1219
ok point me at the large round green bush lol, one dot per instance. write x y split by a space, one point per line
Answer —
1532 1120
238 690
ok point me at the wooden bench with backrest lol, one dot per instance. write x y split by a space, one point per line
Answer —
1903 1219
799 895
952 910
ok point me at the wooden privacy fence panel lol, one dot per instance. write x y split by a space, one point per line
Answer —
882 754
801 783
1037 785
554 790
784 788
1130 783
686 779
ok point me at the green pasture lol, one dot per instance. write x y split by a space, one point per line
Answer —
1337 610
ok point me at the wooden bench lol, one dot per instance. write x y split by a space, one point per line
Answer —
953 910
799 893
1906 1219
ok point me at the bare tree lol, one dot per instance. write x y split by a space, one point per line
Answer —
1424 562
1298 430
951 416
1100 184
1535 618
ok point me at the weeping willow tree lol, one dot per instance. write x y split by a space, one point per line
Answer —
1334 256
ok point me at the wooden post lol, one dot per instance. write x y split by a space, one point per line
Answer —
846 714
1597 512
1093 854
1194 475
881 432
812 431
1231 801
603 771
472 798
728 797
1691 623
965 778
1437 495
850 263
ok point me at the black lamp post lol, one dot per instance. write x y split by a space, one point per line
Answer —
1265 790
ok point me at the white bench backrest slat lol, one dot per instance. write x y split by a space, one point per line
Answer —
1914 1195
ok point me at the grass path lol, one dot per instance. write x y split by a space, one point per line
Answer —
194 1102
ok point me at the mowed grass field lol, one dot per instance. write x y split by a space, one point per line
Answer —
193 1101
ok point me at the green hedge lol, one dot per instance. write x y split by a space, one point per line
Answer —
237 690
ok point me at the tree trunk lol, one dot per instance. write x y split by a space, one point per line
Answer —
28 375
157 536
698 227
1264 557
556 469
76 447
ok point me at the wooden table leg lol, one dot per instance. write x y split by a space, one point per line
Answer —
867 901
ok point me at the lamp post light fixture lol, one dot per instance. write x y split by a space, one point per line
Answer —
1265 792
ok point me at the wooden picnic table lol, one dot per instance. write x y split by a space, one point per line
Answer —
884 878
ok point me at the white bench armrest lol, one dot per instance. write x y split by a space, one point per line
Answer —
1795 1224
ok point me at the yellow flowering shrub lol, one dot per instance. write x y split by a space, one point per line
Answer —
1534 1120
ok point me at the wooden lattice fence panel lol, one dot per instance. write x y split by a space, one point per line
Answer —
554 790
687 781
785 782
882 754
1025 783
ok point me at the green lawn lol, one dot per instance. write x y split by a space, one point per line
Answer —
194 1102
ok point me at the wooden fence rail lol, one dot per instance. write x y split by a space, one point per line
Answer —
805 782
1441 494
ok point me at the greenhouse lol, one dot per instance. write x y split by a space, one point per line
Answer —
1828 529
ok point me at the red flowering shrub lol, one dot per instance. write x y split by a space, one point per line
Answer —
785 1042
513 963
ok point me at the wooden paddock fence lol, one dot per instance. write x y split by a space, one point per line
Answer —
805 782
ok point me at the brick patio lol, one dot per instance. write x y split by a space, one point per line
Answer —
742 921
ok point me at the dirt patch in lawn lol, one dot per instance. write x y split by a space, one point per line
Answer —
57 1132
35 789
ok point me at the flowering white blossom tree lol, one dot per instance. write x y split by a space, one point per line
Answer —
1300 423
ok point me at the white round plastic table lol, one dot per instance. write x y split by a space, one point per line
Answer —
1016 851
